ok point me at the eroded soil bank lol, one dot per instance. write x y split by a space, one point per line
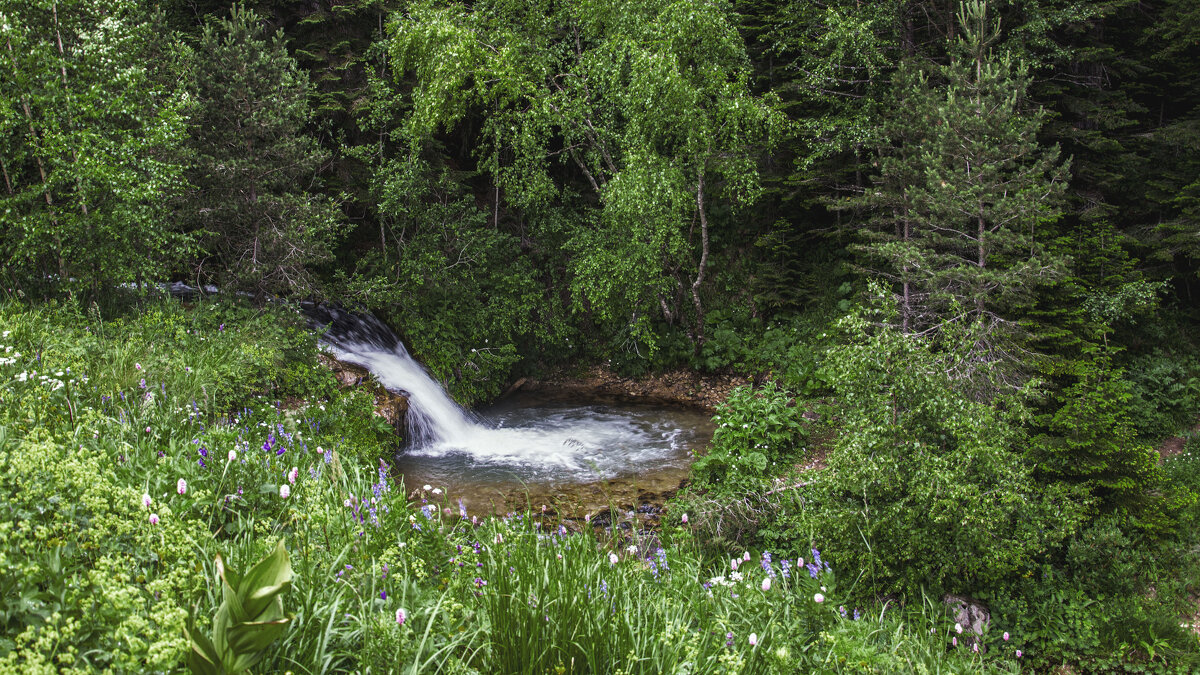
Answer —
677 387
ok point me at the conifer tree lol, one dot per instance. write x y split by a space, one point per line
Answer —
255 170
963 192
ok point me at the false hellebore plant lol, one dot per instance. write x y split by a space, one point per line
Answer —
249 619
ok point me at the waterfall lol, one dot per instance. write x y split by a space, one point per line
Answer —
433 417
556 443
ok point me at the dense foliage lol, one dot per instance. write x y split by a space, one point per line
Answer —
955 243
132 494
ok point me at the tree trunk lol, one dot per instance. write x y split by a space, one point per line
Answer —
33 139
699 337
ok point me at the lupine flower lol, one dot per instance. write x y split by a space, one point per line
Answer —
753 640
153 518
383 595
285 491
818 598
856 614
146 503
729 639
401 616
766 584
786 568
181 486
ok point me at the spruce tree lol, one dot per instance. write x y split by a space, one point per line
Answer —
964 189
255 199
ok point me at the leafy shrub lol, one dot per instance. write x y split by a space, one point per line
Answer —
757 431
924 486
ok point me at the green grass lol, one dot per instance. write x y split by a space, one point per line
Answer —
99 413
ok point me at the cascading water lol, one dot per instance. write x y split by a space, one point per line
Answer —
546 442
433 417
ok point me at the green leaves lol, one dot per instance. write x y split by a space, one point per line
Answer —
250 617
624 110
92 136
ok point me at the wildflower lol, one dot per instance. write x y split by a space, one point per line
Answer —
346 503
320 450
401 616
285 491
383 595
954 641
181 486
632 549
147 429
766 584
153 518
818 598
426 487
203 451
733 563
138 366
746 556
233 455
958 628
729 639
146 503
975 647
856 614
293 474
1005 636
437 491
753 640
612 558
684 519
1018 653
